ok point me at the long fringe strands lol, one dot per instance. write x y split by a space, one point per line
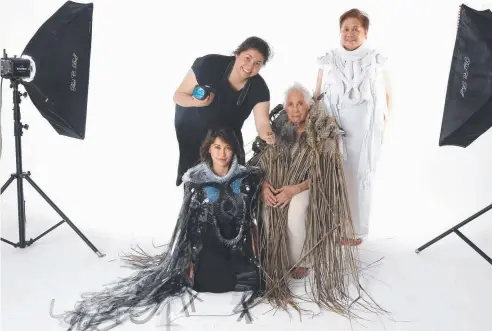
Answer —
138 297
280 171
333 266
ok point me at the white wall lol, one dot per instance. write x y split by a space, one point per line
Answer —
121 177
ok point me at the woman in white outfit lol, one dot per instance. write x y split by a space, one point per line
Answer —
356 90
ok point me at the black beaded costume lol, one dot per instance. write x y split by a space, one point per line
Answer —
213 249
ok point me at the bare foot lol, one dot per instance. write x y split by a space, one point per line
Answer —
351 242
300 272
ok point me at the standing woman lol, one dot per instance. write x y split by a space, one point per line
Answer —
357 92
238 89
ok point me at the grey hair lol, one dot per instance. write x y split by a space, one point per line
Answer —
298 87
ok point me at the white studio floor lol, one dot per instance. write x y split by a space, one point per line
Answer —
445 288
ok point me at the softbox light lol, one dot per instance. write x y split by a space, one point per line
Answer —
468 105
61 50
54 70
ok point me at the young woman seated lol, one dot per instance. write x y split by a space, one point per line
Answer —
213 248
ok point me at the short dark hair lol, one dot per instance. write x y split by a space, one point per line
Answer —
256 43
227 134
362 17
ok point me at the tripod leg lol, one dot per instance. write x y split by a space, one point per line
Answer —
9 242
455 229
4 187
7 183
472 245
63 216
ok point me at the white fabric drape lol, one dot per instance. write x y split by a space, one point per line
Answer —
355 93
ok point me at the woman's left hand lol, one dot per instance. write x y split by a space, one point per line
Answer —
285 195
269 138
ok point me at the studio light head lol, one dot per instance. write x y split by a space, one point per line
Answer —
54 68
15 68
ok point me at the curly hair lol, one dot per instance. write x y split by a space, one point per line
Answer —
298 87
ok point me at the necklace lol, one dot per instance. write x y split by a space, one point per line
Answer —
245 89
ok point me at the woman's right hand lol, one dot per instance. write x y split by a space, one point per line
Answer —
268 193
183 96
205 102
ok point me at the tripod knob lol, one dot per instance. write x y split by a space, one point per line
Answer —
24 94
25 126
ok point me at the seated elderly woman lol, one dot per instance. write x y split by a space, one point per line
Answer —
305 210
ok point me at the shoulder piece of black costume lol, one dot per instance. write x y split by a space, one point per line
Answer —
202 174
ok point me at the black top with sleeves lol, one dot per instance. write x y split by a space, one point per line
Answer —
193 123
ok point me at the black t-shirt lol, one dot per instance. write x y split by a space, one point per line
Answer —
192 123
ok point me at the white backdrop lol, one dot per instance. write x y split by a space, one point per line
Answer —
121 178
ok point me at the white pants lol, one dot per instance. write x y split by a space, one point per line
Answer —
354 121
296 226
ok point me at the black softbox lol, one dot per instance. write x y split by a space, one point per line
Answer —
57 81
468 105
61 51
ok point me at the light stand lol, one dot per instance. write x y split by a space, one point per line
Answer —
20 176
456 230
468 104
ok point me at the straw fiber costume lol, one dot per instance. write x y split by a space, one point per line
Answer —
213 249
325 221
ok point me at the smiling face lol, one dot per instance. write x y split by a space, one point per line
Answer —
296 107
352 34
248 63
221 153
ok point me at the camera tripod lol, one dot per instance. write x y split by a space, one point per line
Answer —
20 176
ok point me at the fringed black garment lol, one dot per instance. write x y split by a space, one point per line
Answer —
213 249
